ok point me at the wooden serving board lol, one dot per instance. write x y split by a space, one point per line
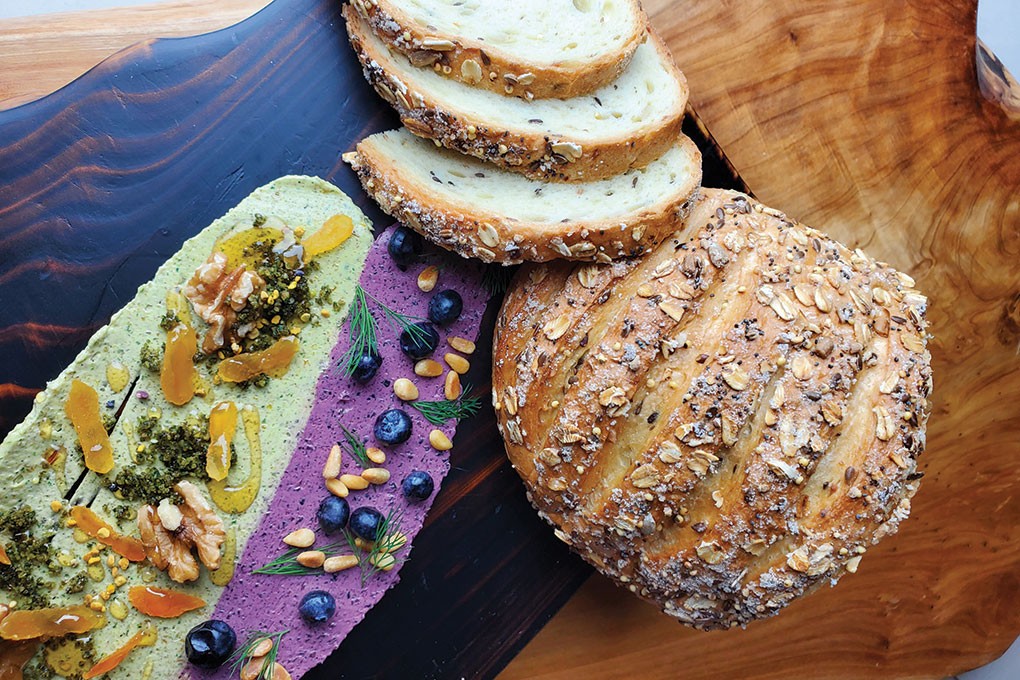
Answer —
863 118
103 180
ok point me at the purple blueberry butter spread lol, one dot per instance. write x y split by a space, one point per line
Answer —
257 602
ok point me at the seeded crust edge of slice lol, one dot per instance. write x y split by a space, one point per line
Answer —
752 601
460 228
407 36
524 152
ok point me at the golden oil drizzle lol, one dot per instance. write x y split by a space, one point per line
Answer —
117 376
67 658
228 560
236 498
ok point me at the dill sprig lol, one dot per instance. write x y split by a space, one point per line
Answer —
401 322
243 653
438 412
354 447
363 330
387 541
287 564
496 278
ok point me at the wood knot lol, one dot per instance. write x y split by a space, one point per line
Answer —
1009 324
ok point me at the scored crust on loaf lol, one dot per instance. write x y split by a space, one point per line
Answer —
724 424
625 124
521 48
481 211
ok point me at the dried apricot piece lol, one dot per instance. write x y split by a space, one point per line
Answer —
4 559
222 427
82 408
330 235
28 624
89 522
143 638
273 361
178 375
163 603
14 656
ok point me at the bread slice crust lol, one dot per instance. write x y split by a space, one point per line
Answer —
724 424
480 65
535 153
472 231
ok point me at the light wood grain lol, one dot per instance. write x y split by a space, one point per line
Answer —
863 118
40 54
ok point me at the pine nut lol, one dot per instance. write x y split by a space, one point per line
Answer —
337 488
376 475
439 440
383 561
457 362
394 542
339 563
354 482
261 649
311 558
405 389
375 455
462 345
302 538
427 368
332 467
452 387
427 279
362 544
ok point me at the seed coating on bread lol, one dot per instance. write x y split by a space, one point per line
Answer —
724 424
622 125
481 211
518 48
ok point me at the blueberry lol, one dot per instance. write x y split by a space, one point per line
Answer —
393 427
445 307
421 343
365 523
333 514
404 247
209 644
317 606
418 486
366 368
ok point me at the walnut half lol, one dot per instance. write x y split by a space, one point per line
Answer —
218 295
192 525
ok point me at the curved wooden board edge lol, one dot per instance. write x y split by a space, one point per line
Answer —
42 53
863 119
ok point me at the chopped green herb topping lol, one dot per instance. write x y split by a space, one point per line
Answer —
169 320
152 356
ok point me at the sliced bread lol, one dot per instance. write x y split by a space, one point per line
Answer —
526 48
625 124
478 210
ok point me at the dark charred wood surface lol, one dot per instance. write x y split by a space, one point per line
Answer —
102 181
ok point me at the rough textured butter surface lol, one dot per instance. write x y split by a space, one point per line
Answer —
255 602
283 407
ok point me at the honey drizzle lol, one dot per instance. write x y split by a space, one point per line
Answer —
236 498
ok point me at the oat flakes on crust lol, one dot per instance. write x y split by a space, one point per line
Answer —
728 422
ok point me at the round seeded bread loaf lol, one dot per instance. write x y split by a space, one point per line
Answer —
725 423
